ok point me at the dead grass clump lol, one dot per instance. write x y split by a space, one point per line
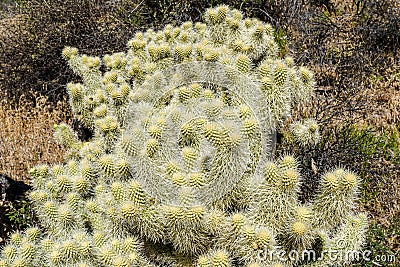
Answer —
26 135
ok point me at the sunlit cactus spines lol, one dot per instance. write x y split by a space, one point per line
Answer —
306 133
180 170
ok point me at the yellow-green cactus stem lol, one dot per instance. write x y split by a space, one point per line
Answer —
130 245
129 210
238 220
288 162
348 181
50 210
178 178
16 238
73 167
243 63
263 239
99 238
151 147
118 191
65 216
196 179
220 259
271 173
122 168
136 193
64 183
250 127
289 178
204 261
106 164
280 74
10 252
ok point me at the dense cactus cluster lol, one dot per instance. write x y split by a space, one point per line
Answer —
179 171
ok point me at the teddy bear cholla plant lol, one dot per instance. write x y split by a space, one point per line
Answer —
178 170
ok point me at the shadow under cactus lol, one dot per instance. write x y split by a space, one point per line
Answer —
16 212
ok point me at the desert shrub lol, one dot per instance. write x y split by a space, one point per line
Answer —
15 215
33 34
24 133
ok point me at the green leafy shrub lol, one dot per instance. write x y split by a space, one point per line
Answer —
179 171
20 214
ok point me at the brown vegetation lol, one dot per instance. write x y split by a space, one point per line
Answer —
26 135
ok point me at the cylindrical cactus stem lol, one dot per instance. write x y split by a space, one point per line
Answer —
136 194
118 191
65 136
306 133
220 258
349 239
64 184
122 169
288 162
336 198
204 261
10 252
66 217
299 236
152 146
16 238
189 156
280 74
107 166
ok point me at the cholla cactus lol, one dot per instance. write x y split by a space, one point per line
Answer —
178 172
306 133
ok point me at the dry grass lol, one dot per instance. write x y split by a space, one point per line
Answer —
26 135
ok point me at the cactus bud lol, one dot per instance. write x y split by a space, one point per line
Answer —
130 245
178 179
348 181
280 74
128 211
288 162
65 216
220 259
151 147
117 191
16 238
330 182
64 183
81 184
128 145
189 156
289 178
243 63
249 127
299 228
237 221
263 239
106 164
136 193
203 261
